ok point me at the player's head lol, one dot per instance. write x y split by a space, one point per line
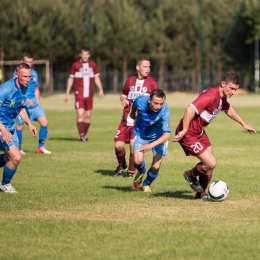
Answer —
28 58
23 74
143 67
229 84
156 100
84 54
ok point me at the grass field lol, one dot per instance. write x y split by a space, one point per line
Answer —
69 207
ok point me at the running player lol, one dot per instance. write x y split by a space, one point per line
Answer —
140 84
33 108
83 74
12 103
191 134
152 131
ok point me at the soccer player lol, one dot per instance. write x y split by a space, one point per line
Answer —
33 108
83 74
152 131
12 103
140 84
191 135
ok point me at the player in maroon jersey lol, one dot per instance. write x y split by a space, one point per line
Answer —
140 84
84 73
191 135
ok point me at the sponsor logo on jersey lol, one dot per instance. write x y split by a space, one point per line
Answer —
132 88
12 103
34 79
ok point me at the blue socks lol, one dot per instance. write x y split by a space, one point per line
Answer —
150 178
141 169
7 175
20 138
42 135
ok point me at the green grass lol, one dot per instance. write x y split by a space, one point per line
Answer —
69 207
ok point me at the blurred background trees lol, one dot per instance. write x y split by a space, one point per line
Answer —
167 31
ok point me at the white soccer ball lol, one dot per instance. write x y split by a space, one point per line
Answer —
218 190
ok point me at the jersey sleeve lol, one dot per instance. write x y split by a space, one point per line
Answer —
202 101
72 70
125 89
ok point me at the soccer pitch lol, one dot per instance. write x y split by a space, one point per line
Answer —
68 205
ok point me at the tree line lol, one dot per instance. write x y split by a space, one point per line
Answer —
170 32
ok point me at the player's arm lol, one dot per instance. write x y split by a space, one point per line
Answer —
69 86
37 94
232 113
99 86
133 112
23 114
124 100
188 116
6 135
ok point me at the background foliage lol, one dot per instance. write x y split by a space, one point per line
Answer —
121 30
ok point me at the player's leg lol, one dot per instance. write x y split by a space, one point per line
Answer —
80 123
87 118
205 170
120 155
19 131
152 173
121 137
10 163
43 133
139 162
131 167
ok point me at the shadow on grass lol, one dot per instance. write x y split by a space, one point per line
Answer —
176 194
108 173
119 188
64 139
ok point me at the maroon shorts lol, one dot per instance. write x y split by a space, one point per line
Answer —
81 102
194 145
124 133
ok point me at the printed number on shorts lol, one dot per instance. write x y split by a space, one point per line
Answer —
117 133
196 147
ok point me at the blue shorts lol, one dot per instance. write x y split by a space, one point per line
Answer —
159 149
4 145
33 112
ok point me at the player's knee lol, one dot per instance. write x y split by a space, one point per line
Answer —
155 169
16 159
119 147
212 164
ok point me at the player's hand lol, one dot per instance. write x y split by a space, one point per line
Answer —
179 136
101 93
145 148
66 98
250 129
6 136
125 102
32 129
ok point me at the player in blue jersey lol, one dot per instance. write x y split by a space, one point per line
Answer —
34 109
12 103
152 131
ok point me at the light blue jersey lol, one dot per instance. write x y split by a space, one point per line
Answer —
151 125
12 100
36 111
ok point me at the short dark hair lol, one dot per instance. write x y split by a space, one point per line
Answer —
158 93
22 66
28 54
232 77
142 58
84 49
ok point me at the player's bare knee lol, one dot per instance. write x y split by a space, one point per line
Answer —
154 169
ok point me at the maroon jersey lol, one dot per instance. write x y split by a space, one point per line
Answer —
83 74
207 106
133 88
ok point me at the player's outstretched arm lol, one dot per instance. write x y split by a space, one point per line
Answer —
232 113
69 86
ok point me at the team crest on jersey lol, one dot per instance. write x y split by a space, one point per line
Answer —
132 88
144 89
22 102
151 123
12 103
215 111
34 79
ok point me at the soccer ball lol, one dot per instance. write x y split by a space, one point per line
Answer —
218 190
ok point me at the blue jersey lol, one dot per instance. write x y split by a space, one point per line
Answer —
12 100
151 125
33 84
